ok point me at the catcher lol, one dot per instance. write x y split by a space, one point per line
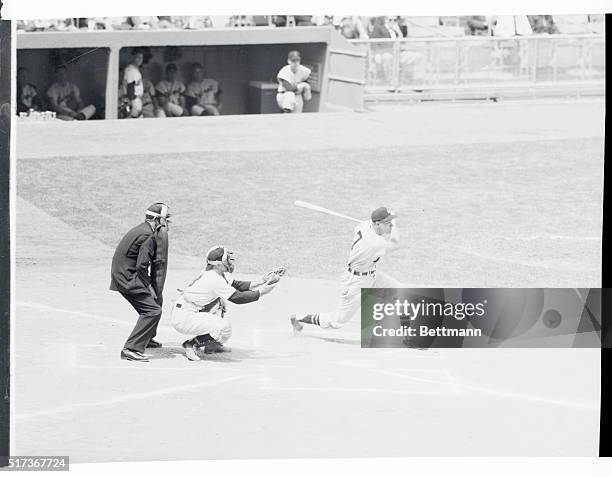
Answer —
200 308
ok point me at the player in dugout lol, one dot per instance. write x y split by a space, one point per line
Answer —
293 88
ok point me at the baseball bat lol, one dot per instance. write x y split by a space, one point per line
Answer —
308 205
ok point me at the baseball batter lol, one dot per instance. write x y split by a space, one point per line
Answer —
293 89
200 309
371 241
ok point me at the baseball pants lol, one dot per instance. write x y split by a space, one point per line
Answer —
85 113
189 321
148 110
136 105
170 110
350 297
149 312
209 109
294 102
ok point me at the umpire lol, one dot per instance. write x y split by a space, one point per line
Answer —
142 248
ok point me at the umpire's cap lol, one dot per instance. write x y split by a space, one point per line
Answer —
158 210
382 214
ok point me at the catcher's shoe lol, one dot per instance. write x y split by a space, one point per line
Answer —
190 351
297 326
130 355
213 346
154 344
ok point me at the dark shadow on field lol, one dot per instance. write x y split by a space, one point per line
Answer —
345 341
234 356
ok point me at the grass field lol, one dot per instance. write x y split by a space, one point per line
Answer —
488 194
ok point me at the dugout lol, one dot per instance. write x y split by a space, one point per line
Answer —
236 57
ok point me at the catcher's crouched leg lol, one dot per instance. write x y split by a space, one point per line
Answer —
221 331
195 323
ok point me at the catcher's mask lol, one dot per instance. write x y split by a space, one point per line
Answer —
159 211
220 255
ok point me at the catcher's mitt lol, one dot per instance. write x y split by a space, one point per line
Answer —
274 275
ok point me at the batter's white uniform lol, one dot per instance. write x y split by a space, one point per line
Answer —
208 290
293 100
367 249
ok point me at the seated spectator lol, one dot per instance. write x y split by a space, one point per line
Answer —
323 20
117 23
166 23
386 27
144 23
293 88
543 24
202 95
381 65
303 20
65 98
132 86
27 94
63 24
512 25
170 93
352 28
279 20
476 25
35 25
198 23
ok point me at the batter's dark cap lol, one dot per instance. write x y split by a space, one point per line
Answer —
382 215
294 54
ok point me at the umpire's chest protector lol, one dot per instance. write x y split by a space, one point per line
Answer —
159 264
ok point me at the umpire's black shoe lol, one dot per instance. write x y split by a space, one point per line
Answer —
130 355
154 344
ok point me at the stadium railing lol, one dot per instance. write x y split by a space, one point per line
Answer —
484 67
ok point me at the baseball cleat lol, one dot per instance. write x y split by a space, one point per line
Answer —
214 347
190 351
154 344
297 326
130 355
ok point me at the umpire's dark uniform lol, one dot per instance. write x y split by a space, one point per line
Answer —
143 247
